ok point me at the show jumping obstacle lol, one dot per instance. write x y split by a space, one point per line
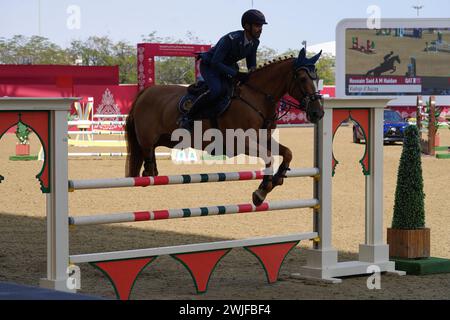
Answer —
369 48
122 267
427 122
90 142
86 130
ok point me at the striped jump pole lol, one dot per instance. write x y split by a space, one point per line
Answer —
90 122
183 179
192 212
97 143
98 154
110 116
99 132
159 155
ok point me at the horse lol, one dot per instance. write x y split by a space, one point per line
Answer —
154 114
385 66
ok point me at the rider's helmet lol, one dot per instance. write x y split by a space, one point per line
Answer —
253 16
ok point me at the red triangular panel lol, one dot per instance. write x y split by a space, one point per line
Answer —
271 257
123 273
201 265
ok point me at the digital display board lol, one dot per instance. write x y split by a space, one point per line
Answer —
404 57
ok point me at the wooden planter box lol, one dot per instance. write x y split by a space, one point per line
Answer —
22 149
409 244
437 140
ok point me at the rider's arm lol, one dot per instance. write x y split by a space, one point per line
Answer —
251 59
223 47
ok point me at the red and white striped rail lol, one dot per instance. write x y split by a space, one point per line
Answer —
182 179
192 212
98 154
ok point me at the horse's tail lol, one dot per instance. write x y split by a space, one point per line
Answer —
135 157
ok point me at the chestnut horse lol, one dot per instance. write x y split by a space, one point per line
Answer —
154 114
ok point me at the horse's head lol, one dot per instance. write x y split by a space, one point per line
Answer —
304 86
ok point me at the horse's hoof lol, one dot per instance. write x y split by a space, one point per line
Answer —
258 197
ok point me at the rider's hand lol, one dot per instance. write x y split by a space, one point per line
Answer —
242 77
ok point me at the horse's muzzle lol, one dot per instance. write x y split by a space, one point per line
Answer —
315 116
315 113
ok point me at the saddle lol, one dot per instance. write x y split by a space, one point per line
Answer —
212 112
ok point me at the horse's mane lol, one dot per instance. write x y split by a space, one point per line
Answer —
273 62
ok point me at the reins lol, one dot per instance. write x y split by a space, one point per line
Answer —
271 99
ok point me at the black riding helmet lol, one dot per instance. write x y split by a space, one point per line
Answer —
253 16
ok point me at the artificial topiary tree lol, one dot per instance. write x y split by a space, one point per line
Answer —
409 208
22 133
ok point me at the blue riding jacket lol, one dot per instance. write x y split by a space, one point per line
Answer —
231 48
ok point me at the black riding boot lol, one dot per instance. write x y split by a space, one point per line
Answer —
187 121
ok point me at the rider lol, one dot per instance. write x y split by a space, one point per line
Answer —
386 57
219 64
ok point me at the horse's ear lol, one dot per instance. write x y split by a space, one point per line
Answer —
302 54
301 58
314 59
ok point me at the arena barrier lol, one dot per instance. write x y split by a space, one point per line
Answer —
88 138
122 267
86 131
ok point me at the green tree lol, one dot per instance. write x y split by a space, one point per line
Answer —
31 50
325 65
325 69
409 209
175 70
124 55
95 51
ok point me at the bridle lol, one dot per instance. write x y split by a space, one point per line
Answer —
303 105
311 97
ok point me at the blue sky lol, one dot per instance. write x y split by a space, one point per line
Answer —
290 21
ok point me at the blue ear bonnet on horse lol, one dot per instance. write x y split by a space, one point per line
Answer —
306 63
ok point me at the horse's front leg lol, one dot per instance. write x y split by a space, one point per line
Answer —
260 194
286 153
150 168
